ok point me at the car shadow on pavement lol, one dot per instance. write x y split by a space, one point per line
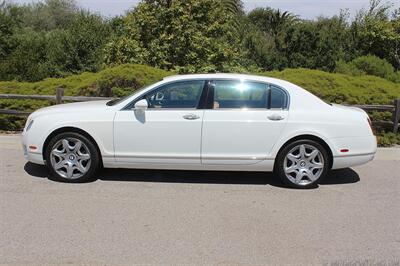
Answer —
335 177
341 176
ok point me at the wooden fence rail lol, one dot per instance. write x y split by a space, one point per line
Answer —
60 98
52 98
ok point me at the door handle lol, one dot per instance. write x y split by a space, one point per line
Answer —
275 117
191 117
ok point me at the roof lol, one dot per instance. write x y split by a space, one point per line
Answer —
230 76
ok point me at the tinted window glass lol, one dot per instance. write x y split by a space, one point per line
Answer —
278 98
176 95
237 94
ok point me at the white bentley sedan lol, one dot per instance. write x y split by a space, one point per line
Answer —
207 122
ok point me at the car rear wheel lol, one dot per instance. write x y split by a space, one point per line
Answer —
302 164
71 157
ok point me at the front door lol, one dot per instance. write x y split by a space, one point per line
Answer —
167 132
244 123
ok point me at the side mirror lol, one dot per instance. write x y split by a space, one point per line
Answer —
141 105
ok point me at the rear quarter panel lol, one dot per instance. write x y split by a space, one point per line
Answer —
340 129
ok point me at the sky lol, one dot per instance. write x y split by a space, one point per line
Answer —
307 9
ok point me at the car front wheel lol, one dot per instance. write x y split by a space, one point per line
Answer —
71 157
302 164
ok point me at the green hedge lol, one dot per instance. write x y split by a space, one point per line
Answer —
114 81
341 88
122 80
368 65
387 139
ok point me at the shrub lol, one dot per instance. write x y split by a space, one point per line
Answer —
368 65
348 68
388 139
372 65
129 77
340 88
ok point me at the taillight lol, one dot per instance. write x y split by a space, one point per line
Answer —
370 125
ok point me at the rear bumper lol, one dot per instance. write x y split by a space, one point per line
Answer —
358 150
352 160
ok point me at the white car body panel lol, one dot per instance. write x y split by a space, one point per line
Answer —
246 136
91 117
157 136
225 139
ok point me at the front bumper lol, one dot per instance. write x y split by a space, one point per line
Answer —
31 156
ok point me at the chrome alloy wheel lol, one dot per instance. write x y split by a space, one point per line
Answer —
70 158
303 164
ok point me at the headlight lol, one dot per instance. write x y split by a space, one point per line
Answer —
28 125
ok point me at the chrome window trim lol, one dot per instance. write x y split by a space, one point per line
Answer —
125 108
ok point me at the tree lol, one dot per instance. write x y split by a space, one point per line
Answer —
374 32
26 61
50 14
49 39
186 35
272 21
79 47
10 20
266 42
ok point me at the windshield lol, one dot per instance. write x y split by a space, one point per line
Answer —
119 100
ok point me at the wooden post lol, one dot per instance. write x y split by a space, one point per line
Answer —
59 95
396 116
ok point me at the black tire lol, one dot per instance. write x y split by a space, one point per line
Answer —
279 168
93 154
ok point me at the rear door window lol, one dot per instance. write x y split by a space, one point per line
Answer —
238 94
230 94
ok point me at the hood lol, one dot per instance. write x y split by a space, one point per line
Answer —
71 107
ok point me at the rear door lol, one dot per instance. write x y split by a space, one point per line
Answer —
244 122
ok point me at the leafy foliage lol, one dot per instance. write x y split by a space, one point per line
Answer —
375 32
49 39
189 36
369 65
340 88
271 21
56 38
387 139
108 82
287 41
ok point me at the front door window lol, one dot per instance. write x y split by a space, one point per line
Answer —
176 95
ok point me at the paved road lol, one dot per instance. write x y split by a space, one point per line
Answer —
172 217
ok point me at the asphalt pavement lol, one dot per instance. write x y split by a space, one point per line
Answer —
185 217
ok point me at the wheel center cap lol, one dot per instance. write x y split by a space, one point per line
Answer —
302 163
71 157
